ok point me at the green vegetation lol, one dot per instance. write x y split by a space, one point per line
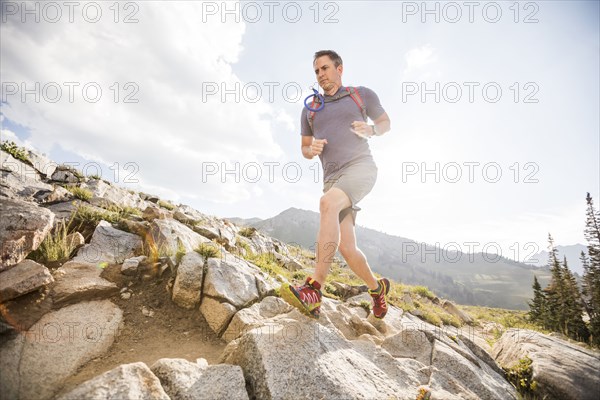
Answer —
247 232
423 291
95 177
240 243
521 376
166 204
560 305
56 246
80 193
208 250
17 152
269 264
92 216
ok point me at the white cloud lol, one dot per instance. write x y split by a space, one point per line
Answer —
419 57
167 56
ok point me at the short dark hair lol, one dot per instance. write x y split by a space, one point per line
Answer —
335 57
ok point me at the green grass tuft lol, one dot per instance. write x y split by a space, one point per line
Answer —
17 152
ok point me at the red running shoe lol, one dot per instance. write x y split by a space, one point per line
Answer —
306 298
378 295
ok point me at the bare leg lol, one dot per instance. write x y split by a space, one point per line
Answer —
353 255
328 237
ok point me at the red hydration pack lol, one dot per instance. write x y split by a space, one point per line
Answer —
350 91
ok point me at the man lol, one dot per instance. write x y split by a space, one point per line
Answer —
338 135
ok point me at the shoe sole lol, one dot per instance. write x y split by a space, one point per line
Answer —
286 293
387 290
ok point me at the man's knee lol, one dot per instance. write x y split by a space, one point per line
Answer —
346 249
333 201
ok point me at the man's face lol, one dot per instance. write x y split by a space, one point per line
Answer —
327 75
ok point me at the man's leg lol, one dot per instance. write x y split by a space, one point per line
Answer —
328 238
354 257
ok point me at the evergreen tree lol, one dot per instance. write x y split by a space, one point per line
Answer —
555 315
574 326
591 276
537 306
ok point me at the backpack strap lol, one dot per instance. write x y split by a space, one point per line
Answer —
359 101
350 91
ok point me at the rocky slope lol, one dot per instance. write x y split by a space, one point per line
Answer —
138 276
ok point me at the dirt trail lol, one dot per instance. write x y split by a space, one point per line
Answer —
171 332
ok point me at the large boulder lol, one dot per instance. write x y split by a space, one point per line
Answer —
562 370
23 227
37 361
294 357
254 316
76 281
109 245
25 277
188 283
106 195
19 180
170 235
127 381
184 380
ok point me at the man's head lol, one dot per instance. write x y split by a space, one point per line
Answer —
328 69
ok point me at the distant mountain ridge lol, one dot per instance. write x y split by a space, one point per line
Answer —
475 279
571 252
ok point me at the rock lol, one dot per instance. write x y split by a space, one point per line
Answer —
146 312
56 195
130 266
105 195
41 163
188 283
324 364
345 291
126 295
75 240
77 282
109 245
561 369
185 380
217 313
37 361
171 234
23 278
235 280
460 314
152 212
19 180
254 316
452 373
409 343
127 381
23 227
66 174
293 265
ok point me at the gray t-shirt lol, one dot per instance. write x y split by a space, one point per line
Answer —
333 123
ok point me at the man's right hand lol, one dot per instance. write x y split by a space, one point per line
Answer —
317 146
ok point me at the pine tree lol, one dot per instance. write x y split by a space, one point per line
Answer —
591 276
537 306
555 316
574 326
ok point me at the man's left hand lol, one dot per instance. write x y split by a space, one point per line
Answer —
361 128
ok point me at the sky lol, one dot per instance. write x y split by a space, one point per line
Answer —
495 137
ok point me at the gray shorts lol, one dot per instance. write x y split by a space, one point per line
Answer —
356 180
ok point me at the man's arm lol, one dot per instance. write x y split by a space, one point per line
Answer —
306 147
382 123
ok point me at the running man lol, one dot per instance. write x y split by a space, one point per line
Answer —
338 135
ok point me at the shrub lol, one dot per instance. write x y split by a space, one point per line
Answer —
80 193
521 377
247 232
17 152
423 291
166 204
56 246
208 250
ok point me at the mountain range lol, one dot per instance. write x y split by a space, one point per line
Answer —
467 278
